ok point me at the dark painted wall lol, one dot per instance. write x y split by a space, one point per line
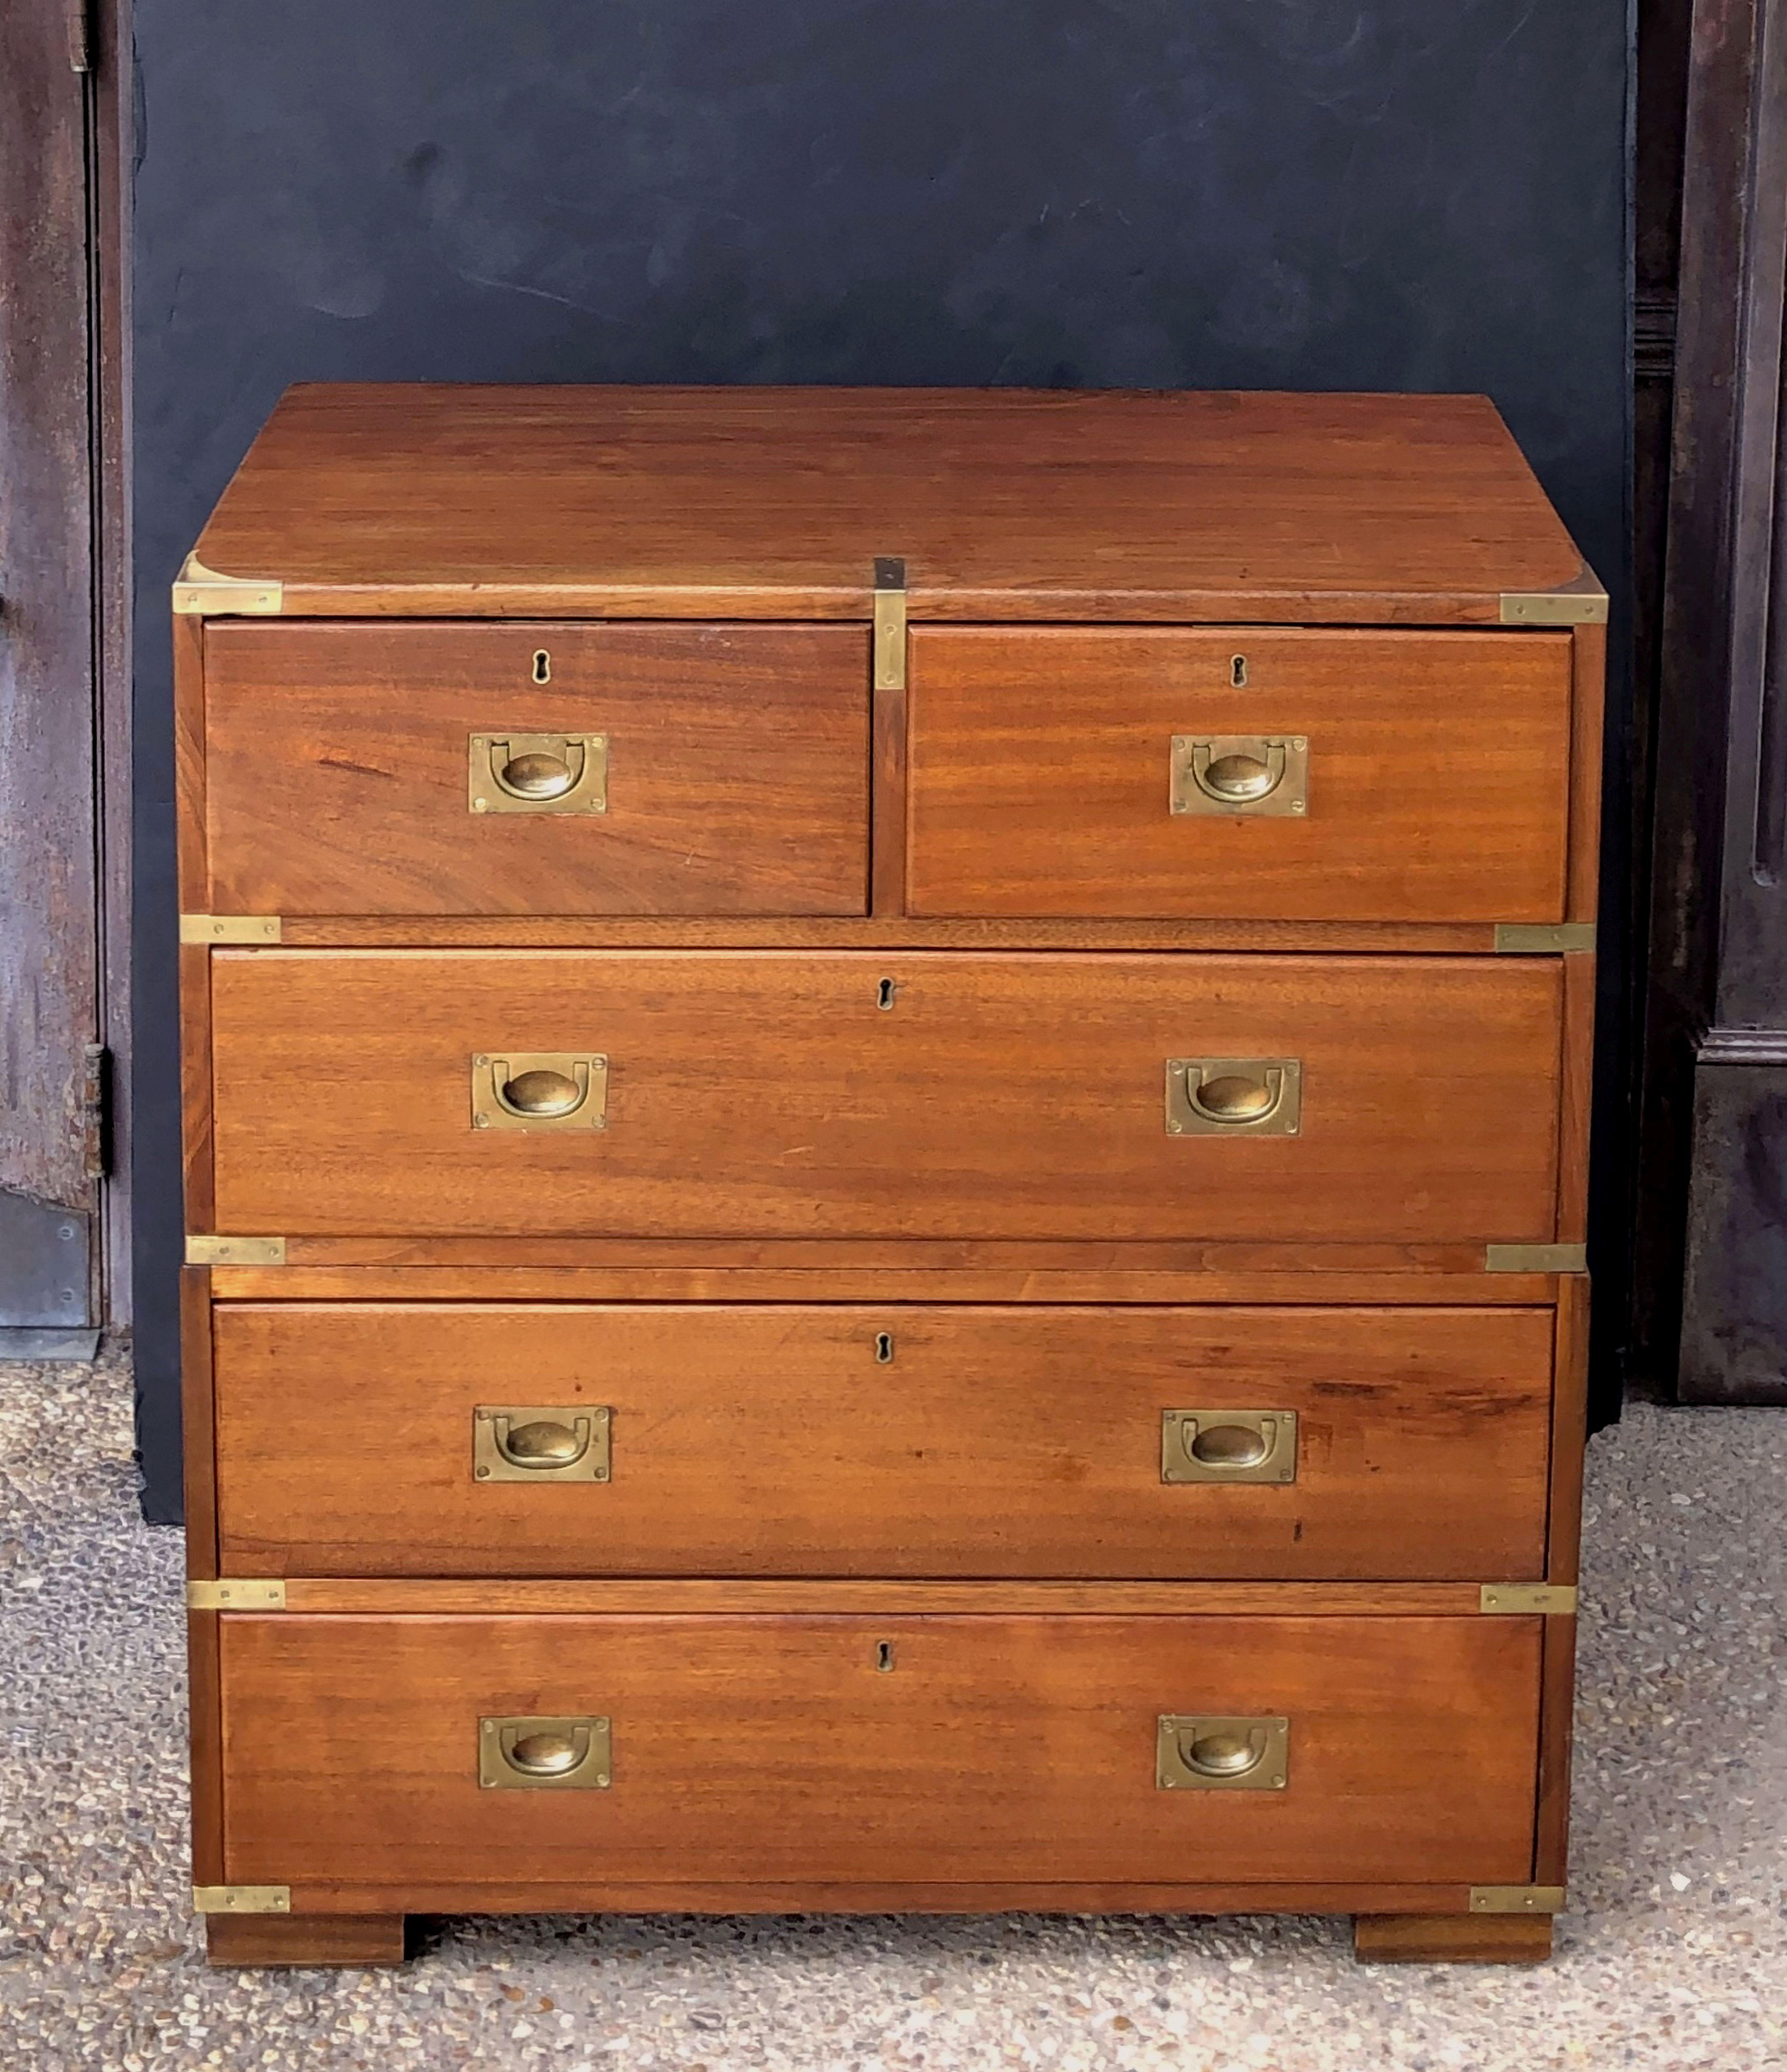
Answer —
1389 194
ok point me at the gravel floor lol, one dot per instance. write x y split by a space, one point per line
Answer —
1675 1954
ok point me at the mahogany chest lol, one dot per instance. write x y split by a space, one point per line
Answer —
885 1114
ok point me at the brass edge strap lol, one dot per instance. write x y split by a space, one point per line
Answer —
205 1250
1555 1600
1519 938
1535 1259
237 1594
230 928
1517 1899
1579 602
889 624
202 593
242 1899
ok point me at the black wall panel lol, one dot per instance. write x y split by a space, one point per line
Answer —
1389 194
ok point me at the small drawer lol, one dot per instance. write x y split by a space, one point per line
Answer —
1247 773
446 1752
914 1439
362 768
845 1095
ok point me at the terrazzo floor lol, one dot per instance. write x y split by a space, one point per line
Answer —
1674 1953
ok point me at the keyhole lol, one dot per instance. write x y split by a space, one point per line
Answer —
542 666
884 994
1237 671
883 1347
884 1656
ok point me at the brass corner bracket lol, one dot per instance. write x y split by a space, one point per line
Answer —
242 1899
1538 939
204 1251
202 593
230 928
889 624
1549 1600
1581 601
237 1594
1535 1259
1517 1899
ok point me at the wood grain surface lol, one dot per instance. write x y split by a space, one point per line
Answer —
1007 503
1006 1750
772 1096
1439 773
1021 1442
338 759
1451 1939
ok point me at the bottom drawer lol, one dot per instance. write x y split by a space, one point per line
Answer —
984 1748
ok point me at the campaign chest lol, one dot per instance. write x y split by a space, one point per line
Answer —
886 1125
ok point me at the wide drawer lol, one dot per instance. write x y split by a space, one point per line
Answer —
707 769
853 1096
416 1439
1416 776
980 1748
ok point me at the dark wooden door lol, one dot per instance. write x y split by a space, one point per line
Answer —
52 1064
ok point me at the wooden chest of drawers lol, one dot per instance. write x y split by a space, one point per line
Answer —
886 1125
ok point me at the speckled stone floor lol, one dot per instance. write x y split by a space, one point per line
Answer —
1674 1953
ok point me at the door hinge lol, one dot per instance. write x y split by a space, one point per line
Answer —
236 1252
228 928
96 1111
1535 1259
1536 938
1517 1899
889 624
202 593
1556 1599
242 1899
237 1594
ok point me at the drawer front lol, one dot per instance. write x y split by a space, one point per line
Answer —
1432 770
912 1440
730 764
851 1095
988 1748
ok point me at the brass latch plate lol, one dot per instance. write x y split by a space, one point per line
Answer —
1234 773
537 773
1535 1259
1205 1751
889 639
241 1898
1534 939
1557 1598
229 928
1580 602
1517 1899
237 1594
1228 1445
540 1443
552 1754
236 1252
202 592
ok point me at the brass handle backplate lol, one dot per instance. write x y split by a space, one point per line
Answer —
1240 773
573 1754
540 1090
1206 1752
538 773
534 1442
1234 1096
1228 1445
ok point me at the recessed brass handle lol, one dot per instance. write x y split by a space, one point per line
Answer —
540 1443
1228 1445
1229 773
1221 1096
1203 1751
540 1090
538 773
556 1755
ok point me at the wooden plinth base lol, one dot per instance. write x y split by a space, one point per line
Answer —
304 1939
1451 1939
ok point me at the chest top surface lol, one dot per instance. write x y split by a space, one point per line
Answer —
1017 504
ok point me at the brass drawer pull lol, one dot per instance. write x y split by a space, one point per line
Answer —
538 773
1228 1445
540 1443
1224 1096
540 1090
1240 773
1198 1752
544 1755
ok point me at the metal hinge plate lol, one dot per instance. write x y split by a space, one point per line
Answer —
237 1594
1554 1599
96 1112
1582 602
241 1898
202 592
1535 1259
236 1252
889 624
1517 1899
1523 939
228 928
